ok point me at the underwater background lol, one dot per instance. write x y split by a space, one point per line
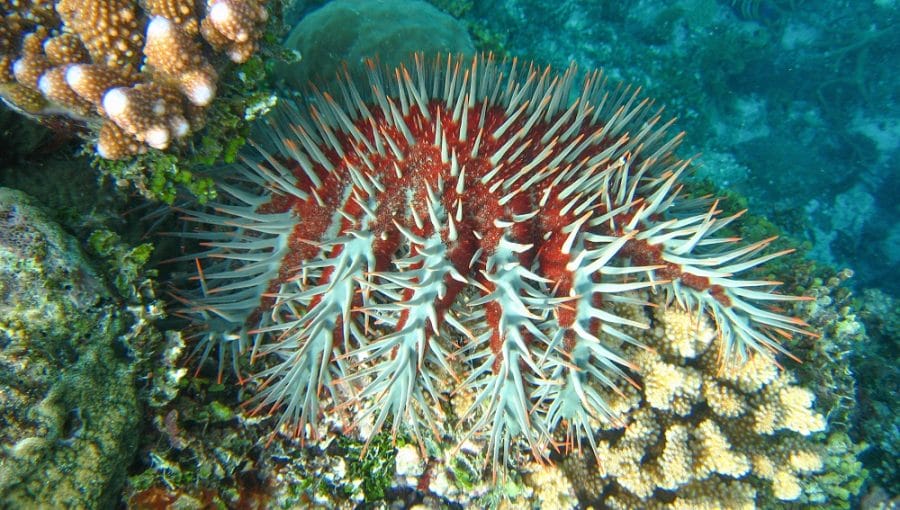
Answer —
790 106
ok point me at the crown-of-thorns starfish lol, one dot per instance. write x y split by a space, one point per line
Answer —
469 220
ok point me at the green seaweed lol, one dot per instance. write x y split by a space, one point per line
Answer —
374 463
156 175
843 476
125 265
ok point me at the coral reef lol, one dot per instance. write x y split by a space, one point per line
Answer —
138 74
195 446
879 390
340 472
553 490
831 369
699 436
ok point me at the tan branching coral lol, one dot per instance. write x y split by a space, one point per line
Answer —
552 490
66 57
53 86
111 30
153 114
231 25
32 63
179 12
114 143
176 57
65 48
91 81
697 436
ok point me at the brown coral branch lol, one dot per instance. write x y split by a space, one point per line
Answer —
138 72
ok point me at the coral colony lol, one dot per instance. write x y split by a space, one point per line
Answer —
465 227
138 73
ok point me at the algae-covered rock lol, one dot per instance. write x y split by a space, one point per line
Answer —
353 30
67 396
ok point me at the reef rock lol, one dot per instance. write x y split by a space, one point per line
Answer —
67 396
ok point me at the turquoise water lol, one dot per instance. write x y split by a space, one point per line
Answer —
791 103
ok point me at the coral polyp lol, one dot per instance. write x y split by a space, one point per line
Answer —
465 226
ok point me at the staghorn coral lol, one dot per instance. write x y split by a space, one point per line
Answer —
148 60
696 436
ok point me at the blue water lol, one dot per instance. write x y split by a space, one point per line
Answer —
792 104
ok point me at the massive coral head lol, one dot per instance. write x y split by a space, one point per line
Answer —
464 228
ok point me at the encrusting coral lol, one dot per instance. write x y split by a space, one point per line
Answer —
138 72
697 436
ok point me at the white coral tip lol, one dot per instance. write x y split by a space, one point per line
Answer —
237 56
180 126
45 85
157 137
18 67
159 28
103 150
75 75
115 101
220 12
201 92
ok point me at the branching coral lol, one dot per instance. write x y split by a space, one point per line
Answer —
138 72
696 436
552 490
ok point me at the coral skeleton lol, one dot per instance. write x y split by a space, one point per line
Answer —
465 226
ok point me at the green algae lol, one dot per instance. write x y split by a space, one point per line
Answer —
125 265
844 474
373 462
